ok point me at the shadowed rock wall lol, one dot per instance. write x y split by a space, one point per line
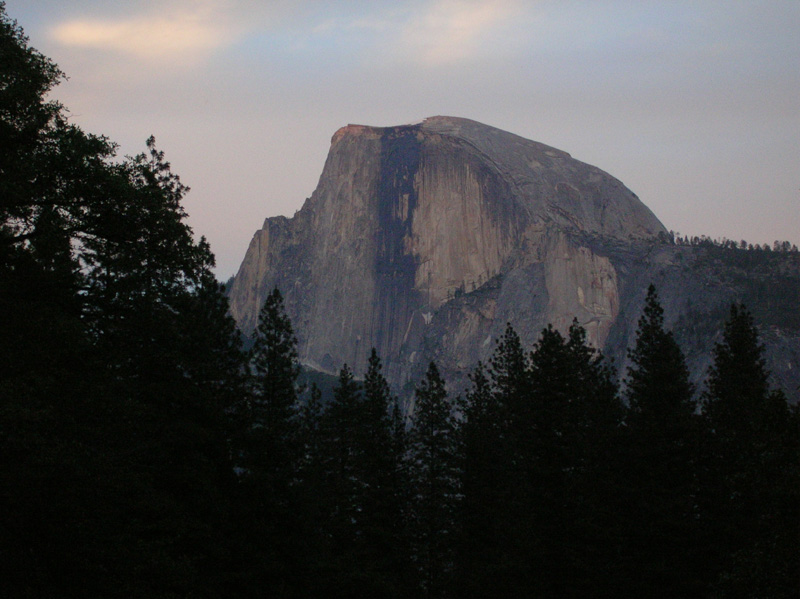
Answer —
424 240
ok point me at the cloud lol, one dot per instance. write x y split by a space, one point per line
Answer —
450 31
177 33
341 26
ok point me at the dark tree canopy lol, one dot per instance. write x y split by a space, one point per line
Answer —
658 380
435 483
755 460
274 360
144 454
737 388
663 446
119 362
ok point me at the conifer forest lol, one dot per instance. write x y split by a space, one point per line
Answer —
145 453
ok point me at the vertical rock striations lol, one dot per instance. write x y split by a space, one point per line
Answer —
424 240
406 219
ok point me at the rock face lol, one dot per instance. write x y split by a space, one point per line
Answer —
424 240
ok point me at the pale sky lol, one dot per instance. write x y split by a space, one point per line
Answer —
694 105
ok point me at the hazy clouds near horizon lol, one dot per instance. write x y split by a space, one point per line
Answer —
694 105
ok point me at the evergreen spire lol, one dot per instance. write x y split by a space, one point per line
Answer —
737 388
435 483
657 386
274 362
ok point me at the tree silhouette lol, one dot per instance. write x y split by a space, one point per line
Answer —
662 453
435 484
754 468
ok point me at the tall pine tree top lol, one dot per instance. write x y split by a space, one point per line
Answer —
737 381
657 385
274 359
738 400
435 483
378 399
508 373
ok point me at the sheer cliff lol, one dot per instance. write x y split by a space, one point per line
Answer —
424 240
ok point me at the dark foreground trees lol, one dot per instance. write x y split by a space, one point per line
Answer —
661 454
566 491
119 361
754 469
142 454
539 437
434 485
363 470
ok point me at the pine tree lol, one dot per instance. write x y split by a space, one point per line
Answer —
401 498
310 424
659 392
310 496
737 401
112 430
378 402
211 349
496 438
269 451
435 484
577 414
662 435
270 456
275 368
754 458
508 373
342 459
363 493
482 546
597 409
383 483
